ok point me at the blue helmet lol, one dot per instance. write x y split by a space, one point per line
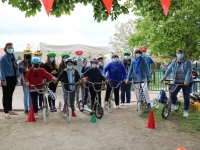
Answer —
70 60
35 60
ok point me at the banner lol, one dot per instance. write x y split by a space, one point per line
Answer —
165 5
108 5
48 5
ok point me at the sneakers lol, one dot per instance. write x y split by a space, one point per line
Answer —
36 115
54 109
128 104
105 103
185 114
26 112
86 106
173 107
117 106
13 112
64 110
122 104
74 114
7 116
51 109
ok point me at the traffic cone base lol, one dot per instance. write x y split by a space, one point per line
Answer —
93 119
151 123
31 116
181 148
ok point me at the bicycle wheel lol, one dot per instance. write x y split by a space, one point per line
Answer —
60 106
110 105
99 112
45 113
178 105
81 105
166 111
139 108
69 114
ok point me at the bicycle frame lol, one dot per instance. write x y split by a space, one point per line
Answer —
113 87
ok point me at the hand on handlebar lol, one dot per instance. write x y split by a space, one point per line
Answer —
186 83
27 84
55 80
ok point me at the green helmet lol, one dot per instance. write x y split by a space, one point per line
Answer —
65 55
127 52
51 54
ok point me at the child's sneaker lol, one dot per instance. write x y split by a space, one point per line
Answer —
54 109
74 114
64 110
173 107
36 115
122 104
117 106
51 109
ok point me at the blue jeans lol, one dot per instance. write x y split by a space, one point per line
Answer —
186 94
194 87
27 98
64 95
125 90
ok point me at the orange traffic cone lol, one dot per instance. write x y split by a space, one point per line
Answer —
151 123
31 116
181 148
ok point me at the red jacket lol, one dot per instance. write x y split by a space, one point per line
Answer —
37 77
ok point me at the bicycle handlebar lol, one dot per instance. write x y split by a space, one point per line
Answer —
93 83
62 84
46 84
119 82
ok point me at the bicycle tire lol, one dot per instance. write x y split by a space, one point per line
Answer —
81 106
99 112
110 105
69 114
166 111
139 108
45 114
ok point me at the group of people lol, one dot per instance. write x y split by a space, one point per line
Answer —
132 69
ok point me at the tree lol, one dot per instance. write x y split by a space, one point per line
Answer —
61 7
163 35
19 57
119 40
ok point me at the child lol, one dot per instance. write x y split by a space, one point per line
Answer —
69 75
94 75
35 76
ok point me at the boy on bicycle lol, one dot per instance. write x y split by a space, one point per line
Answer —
70 75
94 75
36 75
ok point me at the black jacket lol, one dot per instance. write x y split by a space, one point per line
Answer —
63 75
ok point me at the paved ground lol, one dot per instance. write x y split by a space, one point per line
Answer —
18 97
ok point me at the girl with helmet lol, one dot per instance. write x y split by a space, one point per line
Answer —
126 88
100 63
38 53
61 67
36 75
94 75
69 75
51 67
24 67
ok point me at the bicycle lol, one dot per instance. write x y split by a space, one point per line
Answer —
45 110
67 104
111 99
167 108
141 104
96 108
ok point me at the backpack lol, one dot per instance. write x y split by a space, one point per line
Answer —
162 97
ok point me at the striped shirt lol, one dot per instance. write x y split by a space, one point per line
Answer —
71 79
179 74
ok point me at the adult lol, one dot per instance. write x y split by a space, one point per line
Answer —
51 67
116 71
24 67
139 72
126 88
9 78
61 67
78 66
181 69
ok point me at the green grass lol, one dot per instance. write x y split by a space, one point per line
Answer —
176 119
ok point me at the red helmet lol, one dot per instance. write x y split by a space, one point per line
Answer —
99 57
78 52
143 49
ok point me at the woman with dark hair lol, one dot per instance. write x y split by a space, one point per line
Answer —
24 67
9 78
51 67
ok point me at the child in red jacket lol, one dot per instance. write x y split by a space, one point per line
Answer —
36 75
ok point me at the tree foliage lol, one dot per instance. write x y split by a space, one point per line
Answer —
119 40
163 35
62 7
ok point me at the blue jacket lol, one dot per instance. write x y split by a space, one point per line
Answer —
115 72
7 67
143 75
186 67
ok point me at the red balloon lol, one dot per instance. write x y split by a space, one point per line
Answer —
108 5
165 5
48 5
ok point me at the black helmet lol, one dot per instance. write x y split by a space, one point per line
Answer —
93 60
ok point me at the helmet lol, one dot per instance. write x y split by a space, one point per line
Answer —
194 96
51 54
78 52
127 52
93 60
70 60
143 49
35 60
38 52
99 57
65 55
25 52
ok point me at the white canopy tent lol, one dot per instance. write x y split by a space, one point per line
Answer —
69 41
